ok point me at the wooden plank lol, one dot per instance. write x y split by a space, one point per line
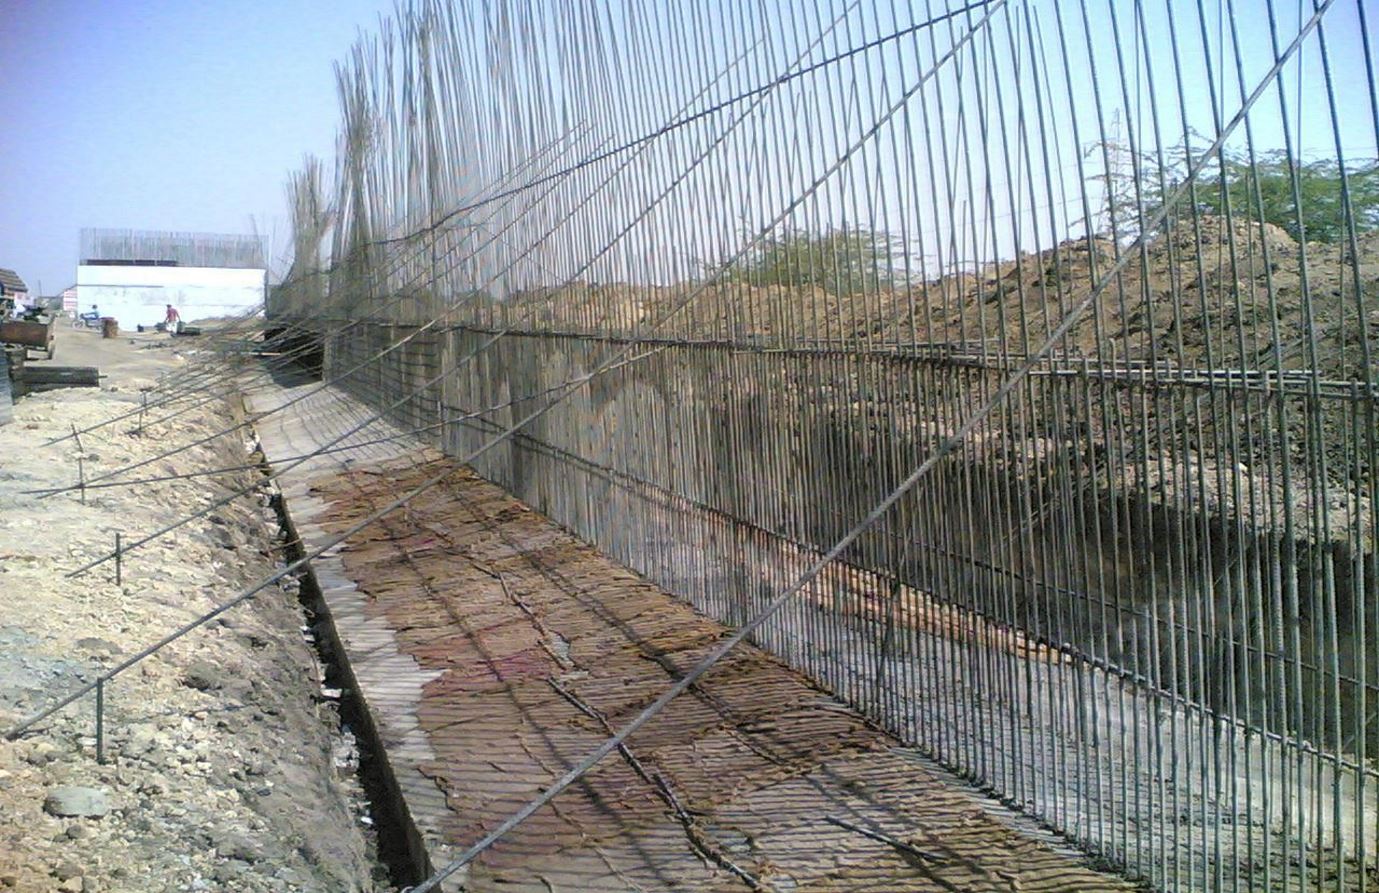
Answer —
69 376
6 398
39 387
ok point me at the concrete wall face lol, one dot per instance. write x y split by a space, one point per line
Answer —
1101 573
1014 605
138 295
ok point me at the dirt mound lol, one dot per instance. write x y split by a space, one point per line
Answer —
1221 339
1203 296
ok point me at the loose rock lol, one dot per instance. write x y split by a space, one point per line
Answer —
203 675
98 646
238 847
73 800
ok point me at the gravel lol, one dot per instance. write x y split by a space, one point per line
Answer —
221 770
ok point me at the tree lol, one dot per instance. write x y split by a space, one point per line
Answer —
1262 191
841 261
1323 216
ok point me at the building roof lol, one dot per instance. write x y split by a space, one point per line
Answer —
10 283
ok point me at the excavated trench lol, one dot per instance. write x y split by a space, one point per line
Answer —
387 810
397 847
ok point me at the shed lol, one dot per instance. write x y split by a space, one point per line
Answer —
11 286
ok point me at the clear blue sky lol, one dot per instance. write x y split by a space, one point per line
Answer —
177 115
159 114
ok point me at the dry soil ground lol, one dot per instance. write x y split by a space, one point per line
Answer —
227 767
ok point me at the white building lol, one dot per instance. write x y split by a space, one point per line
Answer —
133 276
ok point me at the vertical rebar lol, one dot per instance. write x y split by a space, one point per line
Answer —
1122 604
100 720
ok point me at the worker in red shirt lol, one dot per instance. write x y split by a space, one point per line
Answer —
173 321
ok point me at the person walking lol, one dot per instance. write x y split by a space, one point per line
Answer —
172 321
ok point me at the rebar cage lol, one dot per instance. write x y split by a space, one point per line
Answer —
1048 324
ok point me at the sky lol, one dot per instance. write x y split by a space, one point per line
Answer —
188 116
160 114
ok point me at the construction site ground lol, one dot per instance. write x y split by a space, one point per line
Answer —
226 767
494 650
